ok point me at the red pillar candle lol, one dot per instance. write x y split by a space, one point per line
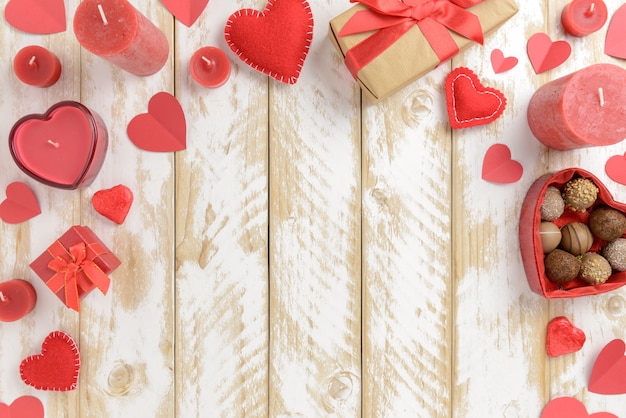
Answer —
582 17
209 66
583 109
117 32
36 66
17 298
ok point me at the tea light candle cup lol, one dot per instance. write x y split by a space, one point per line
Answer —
36 66
583 17
209 66
17 298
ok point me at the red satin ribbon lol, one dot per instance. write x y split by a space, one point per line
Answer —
393 18
69 264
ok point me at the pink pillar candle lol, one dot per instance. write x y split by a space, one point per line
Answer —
117 32
17 298
209 66
36 66
582 17
583 109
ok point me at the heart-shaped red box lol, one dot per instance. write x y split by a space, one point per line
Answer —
530 240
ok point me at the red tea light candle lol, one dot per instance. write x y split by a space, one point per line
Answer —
36 66
582 17
583 109
117 32
17 298
209 66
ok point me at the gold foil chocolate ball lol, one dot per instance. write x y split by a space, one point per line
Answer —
561 266
579 194
594 269
615 254
550 236
576 238
607 223
553 204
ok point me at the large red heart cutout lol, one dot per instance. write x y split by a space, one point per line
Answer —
36 16
22 407
608 375
56 368
562 337
20 204
469 103
498 167
544 54
567 407
275 41
163 128
615 167
186 11
615 42
113 203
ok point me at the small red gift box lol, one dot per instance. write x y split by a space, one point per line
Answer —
530 239
75 264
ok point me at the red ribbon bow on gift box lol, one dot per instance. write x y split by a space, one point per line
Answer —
394 18
69 265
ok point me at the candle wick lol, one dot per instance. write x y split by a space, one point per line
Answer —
102 15
32 61
208 61
54 144
3 298
592 8
601 94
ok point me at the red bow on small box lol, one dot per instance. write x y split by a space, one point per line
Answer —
393 18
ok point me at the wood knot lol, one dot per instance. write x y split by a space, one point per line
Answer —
339 390
417 106
120 379
616 307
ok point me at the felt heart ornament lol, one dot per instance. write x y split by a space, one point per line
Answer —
469 103
608 375
22 407
56 368
186 11
113 203
36 16
562 337
546 55
275 41
615 42
500 63
615 168
498 167
20 204
567 407
163 128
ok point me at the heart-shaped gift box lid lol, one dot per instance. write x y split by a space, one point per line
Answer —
530 240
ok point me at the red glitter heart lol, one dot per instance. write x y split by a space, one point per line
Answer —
113 203
563 337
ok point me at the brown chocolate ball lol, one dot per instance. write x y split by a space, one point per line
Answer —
553 204
561 266
550 236
576 238
594 269
615 254
607 223
579 194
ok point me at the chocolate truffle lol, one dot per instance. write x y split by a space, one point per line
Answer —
553 204
561 266
615 254
607 223
550 236
594 269
576 238
579 194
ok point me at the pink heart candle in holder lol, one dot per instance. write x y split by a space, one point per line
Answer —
63 148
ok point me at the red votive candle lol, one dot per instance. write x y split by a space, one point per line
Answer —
17 298
583 109
582 17
209 66
117 32
36 66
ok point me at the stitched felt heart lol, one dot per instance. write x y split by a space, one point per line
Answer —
275 41
546 55
498 167
22 407
615 42
567 407
562 337
615 167
113 203
608 375
36 16
500 63
20 204
469 103
186 11
56 368
163 128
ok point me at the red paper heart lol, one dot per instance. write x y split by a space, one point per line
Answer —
608 375
20 204
470 103
163 128
615 167
22 407
500 63
186 11
544 54
275 41
615 42
56 368
113 203
563 337
567 407
498 167
36 16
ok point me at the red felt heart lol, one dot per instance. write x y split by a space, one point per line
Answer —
275 41
163 128
500 63
113 203
56 368
469 103
36 16
20 204
567 407
615 42
22 407
608 375
544 54
498 167
186 11
615 167
563 337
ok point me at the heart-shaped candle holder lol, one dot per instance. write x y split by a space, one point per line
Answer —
63 148
530 239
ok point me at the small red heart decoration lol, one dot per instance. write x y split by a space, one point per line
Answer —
500 63
563 337
56 368
567 407
113 203
608 375
22 407
36 16
275 41
186 11
615 42
615 167
544 54
163 128
498 167
20 204
469 103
